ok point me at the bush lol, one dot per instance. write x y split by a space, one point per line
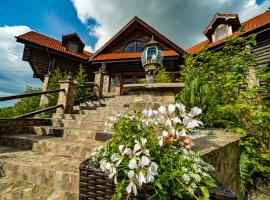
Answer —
23 106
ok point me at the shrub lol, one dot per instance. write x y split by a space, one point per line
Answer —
23 106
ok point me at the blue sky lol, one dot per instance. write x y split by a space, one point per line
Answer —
97 20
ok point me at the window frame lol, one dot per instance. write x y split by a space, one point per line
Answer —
135 45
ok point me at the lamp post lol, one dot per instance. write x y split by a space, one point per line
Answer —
152 59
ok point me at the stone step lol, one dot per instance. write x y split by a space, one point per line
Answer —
87 117
80 149
48 171
45 130
21 141
73 133
11 189
79 124
110 111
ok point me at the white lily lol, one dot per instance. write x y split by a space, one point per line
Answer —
131 186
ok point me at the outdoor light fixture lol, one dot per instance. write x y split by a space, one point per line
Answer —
152 58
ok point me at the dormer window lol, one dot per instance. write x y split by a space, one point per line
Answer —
73 43
73 47
222 26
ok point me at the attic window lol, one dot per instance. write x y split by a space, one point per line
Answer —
134 46
221 32
73 47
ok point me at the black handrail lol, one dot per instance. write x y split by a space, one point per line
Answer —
86 85
92 94
29 94
38 111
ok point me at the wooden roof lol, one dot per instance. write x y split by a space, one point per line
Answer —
158 36
248 26
45 41
134 55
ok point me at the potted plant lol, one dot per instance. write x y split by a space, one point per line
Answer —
150 156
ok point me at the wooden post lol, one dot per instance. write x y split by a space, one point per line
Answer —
67 97
44 99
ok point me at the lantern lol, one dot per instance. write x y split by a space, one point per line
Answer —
152 58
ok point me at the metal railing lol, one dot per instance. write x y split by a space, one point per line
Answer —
89 86
13 97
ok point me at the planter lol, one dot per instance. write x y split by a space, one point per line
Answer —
94 185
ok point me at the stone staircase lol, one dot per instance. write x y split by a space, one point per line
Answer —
43 161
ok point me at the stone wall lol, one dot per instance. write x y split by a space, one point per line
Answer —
152 95
223 152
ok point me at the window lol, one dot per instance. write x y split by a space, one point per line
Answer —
134 46
221 32
73 47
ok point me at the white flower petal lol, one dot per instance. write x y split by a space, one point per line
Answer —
131 174
153 168
132 164
127 151
171 109
136 148
183 133
195 111
162 109
121 148
144 161
164 133
143 140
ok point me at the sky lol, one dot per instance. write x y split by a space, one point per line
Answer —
96 21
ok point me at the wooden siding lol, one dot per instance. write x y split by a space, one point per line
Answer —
262 51
42 60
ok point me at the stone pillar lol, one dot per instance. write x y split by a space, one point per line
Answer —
106 85
117 85
67 97
252 78
99 79
44 99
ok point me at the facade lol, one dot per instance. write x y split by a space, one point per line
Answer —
120 58
223 26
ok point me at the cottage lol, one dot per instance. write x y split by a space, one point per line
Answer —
120 57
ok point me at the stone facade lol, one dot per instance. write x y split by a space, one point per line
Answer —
151 95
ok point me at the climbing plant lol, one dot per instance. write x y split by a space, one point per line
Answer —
217 82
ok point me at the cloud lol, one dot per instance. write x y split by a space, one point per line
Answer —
15 74
181 20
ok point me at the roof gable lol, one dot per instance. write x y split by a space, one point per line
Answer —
133 25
